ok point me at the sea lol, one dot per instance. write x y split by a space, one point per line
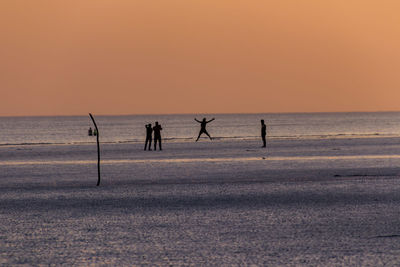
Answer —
183 127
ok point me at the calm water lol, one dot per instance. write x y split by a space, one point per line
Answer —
67 130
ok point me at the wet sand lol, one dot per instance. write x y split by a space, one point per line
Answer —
319 202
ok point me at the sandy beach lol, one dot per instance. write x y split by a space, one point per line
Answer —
318 202
316 83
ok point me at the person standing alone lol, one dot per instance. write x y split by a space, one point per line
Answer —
263 133
157 135
149 137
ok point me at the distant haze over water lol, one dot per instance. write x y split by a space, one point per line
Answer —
131 128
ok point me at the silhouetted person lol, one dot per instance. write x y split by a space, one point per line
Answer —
203 127
157 135
90 131
263 133
149 137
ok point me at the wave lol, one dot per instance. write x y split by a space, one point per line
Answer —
191 139
30 144
333 136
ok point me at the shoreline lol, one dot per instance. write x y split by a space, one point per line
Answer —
221 139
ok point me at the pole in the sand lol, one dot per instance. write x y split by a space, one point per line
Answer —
98 149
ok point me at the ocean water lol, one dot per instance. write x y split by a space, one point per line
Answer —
131 128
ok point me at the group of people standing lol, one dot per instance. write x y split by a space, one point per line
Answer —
149 136
91 132
157 133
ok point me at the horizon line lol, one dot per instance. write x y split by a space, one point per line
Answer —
199 113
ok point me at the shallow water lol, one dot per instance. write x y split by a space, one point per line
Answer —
130 128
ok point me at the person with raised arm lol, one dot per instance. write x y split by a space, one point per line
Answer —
203 124
157 135
149 137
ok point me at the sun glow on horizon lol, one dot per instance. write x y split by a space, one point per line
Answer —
147 57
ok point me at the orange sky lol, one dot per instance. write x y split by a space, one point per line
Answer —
198 56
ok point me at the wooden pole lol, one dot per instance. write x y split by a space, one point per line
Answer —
98 149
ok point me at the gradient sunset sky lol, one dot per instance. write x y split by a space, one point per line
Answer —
208 56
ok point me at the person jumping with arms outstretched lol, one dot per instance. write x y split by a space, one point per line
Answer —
203 127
